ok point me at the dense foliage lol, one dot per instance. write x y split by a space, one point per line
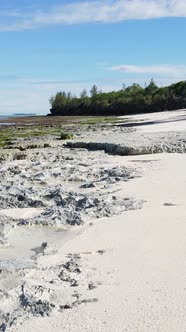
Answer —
130 100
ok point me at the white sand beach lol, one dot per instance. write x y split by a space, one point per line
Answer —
123 272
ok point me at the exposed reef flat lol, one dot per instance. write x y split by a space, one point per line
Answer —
80 220
55 188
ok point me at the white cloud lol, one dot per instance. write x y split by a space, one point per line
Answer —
100 11
170 70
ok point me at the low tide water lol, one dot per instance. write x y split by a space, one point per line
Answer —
6 117
23 241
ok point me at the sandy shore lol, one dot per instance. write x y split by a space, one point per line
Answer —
123 271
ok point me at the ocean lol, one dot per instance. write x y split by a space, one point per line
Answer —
5 116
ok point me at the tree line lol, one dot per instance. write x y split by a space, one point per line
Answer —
129 100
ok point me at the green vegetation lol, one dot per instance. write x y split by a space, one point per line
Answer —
91 120
66 136
131 100
9 135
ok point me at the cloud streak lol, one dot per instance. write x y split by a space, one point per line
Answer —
102 11
169 70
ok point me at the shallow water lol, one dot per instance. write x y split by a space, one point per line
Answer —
7 123
21 253
23 241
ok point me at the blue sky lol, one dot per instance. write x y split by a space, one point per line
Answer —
53 45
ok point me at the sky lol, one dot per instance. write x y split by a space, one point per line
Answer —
48 46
